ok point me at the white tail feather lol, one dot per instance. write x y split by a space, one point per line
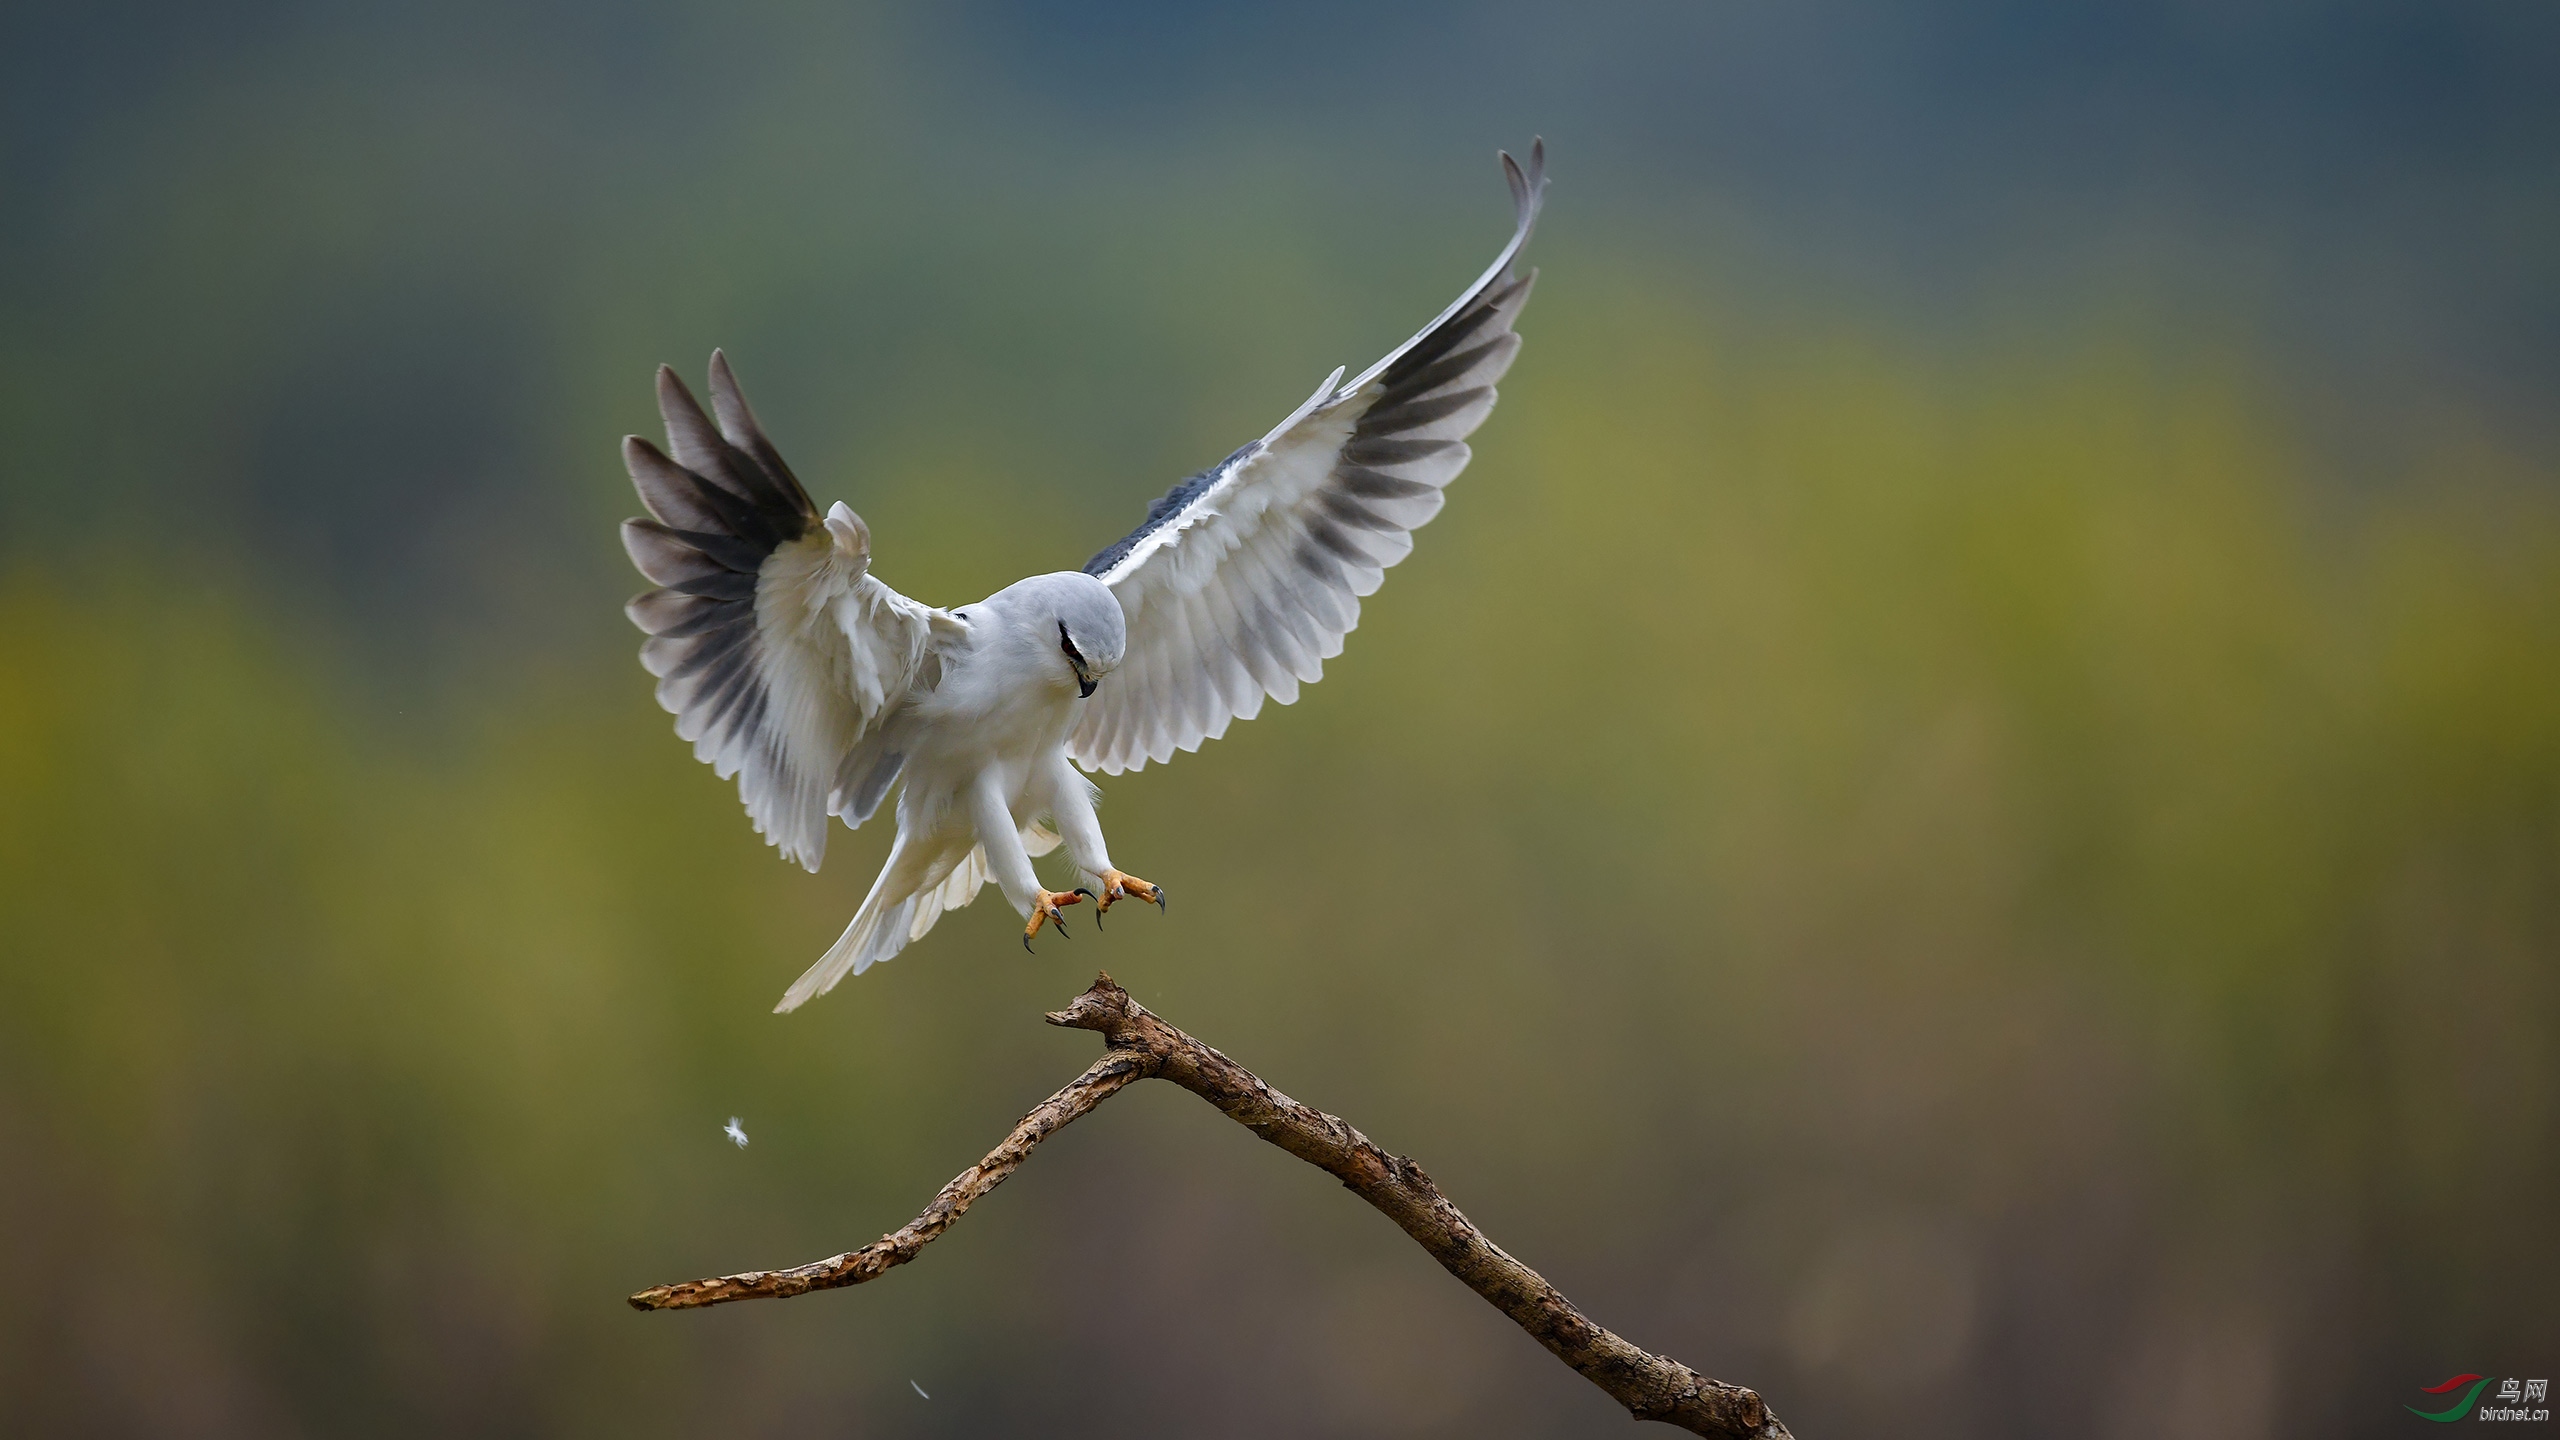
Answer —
878 931
953 893
885 926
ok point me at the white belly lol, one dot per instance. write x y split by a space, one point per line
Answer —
974 724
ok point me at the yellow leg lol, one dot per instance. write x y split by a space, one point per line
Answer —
1046 908
1120 885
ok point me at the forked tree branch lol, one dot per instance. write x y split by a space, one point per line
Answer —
1652 1387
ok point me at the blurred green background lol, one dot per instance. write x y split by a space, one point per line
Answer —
1960 821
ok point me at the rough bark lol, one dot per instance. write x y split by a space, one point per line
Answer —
1652 1387
903 1244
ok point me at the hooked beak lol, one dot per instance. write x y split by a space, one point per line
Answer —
1075 662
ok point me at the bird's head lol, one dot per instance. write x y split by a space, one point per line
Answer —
1091 632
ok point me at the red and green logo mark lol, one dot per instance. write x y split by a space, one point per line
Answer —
2517 1399
2460 1407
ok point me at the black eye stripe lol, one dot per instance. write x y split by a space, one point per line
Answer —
1069 645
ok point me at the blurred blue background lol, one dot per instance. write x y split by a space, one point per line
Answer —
1960 822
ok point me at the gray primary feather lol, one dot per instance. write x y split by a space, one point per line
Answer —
738 546
1244 579
720 514
790 665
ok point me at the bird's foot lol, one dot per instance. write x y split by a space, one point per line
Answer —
1120 885
1046 908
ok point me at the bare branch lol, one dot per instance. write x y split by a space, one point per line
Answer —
1652 1387
903 1244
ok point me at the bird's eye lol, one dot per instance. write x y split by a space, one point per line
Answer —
1069 646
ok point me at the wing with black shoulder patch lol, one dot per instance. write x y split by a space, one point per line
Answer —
1245 578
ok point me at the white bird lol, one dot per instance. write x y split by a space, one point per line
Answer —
735 1131
790 665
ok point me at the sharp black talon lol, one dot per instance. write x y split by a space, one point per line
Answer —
1026 946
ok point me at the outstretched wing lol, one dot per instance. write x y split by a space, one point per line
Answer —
1245 578
775 648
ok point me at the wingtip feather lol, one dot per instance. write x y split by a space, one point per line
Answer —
689 431
1528 186
729 404
672 389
